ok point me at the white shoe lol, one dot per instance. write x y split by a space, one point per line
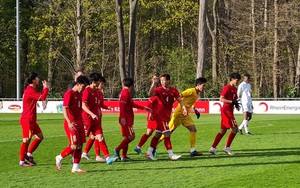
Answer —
213 151
78 171
150 156
58 162
85 156
100 159
228 151
174 157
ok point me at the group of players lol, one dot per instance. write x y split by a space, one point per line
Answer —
82 105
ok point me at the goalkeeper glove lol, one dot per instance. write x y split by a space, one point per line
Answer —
197 113
236 104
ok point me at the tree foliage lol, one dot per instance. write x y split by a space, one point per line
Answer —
165 42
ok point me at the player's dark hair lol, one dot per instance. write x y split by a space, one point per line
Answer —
200 80
30 78
102 79
247 75
128 82
167 76
235 75
94 77
82 80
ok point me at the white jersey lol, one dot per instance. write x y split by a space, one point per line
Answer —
244 94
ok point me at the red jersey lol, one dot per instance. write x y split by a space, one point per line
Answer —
166 99
73 101
230 93
153 104
30 98
126 107
101 101
90 98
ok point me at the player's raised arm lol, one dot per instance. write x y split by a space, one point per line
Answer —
153 85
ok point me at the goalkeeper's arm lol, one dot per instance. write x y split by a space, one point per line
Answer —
197 112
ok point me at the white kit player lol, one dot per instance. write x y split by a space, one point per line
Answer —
244 94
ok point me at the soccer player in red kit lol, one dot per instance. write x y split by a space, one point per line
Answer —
28 119
166 97
92 101
126 118
151 124
229 98
73 125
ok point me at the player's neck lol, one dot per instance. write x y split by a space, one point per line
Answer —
33 85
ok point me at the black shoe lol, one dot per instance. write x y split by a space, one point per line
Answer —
195 153
240 131
248 134
30 160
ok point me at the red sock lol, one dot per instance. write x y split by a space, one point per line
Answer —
88 145
125 149
154 142
103 148
230 139
36 142
126 141
77 155
167 142
67 151
217 140
97 148
23 151
143 140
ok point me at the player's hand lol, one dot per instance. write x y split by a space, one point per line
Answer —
72 126
123 121
236 104
94 117
154 79
45 84
197 113
151 117
148 109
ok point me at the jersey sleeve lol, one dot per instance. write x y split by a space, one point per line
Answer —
123 102
85 95
240 90
224 91
66 100
186 93
39 96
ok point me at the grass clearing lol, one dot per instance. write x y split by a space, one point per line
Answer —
269 158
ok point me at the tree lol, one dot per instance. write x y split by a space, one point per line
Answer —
201 38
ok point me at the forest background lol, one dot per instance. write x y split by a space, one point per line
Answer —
138 38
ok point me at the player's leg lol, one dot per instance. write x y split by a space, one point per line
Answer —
35 129
26 138
128 134
231 136
192 138
143 140
89 131
153 143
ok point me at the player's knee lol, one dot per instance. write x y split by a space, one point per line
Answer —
26 140
131 138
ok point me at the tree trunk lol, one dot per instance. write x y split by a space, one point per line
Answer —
121 39
291 59
254 63
298 71
78 64
132 25
276 53
261 90
201 38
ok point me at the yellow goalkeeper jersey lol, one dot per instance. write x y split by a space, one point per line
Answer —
189 97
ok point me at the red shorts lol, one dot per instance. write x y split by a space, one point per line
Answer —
93 130
162 126
127 130
227 120
75 137
151 125
93 127
29 128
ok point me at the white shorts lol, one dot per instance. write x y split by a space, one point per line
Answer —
247 107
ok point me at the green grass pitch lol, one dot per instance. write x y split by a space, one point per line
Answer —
269 158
